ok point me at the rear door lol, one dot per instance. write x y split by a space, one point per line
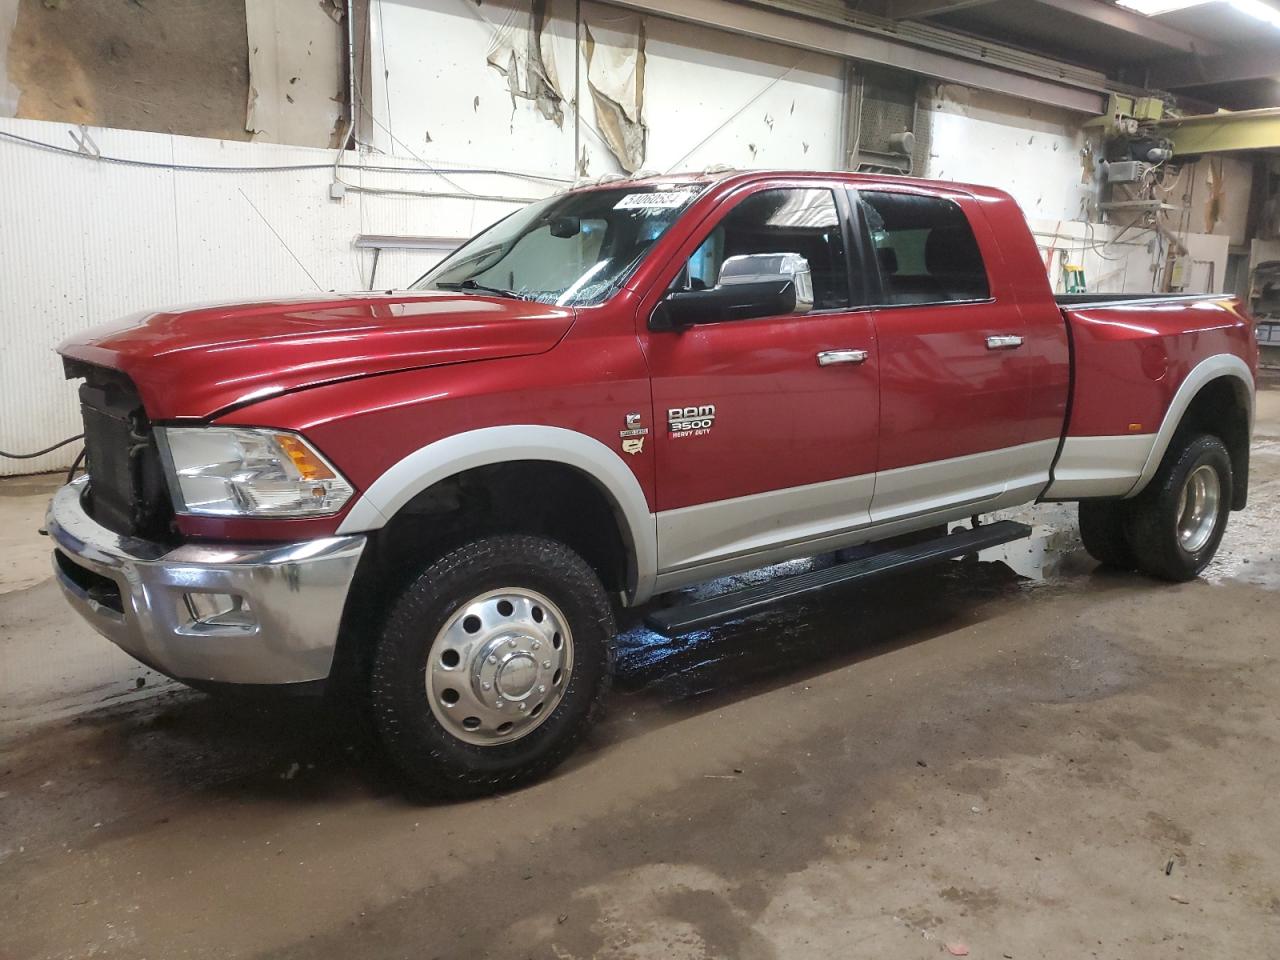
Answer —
955 379
764 429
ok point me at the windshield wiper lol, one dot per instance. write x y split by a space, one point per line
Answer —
472 285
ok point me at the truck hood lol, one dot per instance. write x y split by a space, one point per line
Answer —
194 362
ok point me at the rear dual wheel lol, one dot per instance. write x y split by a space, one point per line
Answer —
492 665
1173 528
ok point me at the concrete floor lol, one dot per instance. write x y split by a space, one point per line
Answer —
1017 756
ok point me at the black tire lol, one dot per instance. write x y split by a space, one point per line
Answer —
1153 516
1102 528
433 759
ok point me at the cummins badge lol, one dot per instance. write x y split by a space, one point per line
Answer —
633 436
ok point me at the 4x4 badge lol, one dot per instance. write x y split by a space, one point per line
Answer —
633 436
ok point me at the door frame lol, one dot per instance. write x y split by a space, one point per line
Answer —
817 509
1019 462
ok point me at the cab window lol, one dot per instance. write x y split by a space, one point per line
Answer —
926 249
803 221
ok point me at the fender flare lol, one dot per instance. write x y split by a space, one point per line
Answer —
1211 368
447 457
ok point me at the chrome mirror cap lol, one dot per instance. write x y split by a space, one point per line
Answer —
764 267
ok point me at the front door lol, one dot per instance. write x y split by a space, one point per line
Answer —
955 379
765 429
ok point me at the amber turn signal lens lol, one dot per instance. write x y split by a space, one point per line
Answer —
308 465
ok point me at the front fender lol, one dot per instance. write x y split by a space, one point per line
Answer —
447 457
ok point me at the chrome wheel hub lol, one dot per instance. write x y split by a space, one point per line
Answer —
1198 507
499 666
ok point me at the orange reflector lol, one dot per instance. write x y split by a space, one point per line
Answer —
1135 427
309 466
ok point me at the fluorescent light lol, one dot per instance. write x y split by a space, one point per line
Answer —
1258 9
1153 8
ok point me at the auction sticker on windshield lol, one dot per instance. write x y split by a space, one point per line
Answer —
656 200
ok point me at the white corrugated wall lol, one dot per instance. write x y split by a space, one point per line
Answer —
84 242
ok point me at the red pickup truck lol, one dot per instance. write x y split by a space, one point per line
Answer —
444 494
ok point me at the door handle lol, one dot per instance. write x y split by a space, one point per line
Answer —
1008 342
827 357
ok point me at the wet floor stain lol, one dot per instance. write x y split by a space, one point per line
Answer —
841 624
179 741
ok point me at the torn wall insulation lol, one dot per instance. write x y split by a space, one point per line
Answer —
297 50
1217 193
8 92
615 76
525 58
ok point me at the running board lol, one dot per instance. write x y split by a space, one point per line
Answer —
699 613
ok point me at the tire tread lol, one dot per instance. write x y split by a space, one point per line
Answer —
1150 525
432 770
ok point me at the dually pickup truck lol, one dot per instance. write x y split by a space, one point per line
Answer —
443 496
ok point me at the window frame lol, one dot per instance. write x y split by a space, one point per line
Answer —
871 263
857 283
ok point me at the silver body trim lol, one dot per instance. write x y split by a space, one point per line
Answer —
450 456
731 536
746 526
1099 466
296 592
967 481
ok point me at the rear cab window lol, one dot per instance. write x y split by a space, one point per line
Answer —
925 249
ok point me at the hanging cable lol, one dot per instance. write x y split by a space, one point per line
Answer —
280 168
75 464
40 453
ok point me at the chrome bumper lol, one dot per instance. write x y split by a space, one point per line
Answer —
134 593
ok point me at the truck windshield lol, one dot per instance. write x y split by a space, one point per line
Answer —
575 249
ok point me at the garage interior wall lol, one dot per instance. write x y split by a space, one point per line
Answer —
89 241
700 97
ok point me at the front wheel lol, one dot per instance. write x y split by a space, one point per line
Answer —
492 665
1175 525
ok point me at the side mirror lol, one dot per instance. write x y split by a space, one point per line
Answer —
761 267
750 285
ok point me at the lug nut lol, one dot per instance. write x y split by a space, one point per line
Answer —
492 658
486 685
546 664
522 708
511 642
498 704
542 689
536 645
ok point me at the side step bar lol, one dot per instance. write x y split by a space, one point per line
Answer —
699 613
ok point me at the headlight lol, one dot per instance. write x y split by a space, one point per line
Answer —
244 472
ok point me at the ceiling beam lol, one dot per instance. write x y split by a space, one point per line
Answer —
980 64
1181 72
1224 132
919 9
1149 28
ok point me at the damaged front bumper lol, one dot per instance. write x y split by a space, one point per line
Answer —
206 613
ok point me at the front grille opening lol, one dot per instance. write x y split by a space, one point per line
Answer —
127 492
101 590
